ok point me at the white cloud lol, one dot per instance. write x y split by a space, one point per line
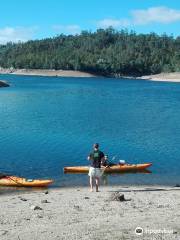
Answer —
16 34
67 29
113 23
161 15
155 15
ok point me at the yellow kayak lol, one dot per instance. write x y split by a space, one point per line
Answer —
13 181
111 169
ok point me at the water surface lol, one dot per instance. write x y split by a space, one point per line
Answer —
51 122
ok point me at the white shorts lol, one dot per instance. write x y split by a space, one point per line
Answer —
95 172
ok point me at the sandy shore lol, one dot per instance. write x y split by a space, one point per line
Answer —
164 77
51 73
76 213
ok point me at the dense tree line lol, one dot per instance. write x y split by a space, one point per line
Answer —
106 52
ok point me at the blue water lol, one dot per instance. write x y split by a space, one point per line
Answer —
49 122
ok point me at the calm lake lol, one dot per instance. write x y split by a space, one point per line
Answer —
51 122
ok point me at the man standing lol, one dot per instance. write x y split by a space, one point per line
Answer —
95 157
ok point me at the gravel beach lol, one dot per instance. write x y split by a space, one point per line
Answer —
76 213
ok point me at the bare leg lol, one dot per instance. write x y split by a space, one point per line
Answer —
97 184
91 183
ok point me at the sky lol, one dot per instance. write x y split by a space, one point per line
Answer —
22 20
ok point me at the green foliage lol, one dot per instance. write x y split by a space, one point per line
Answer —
106 52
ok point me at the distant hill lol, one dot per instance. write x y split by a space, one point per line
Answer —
104 52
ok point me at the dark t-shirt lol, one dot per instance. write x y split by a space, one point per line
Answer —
95 158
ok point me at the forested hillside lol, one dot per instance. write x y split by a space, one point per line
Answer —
106 52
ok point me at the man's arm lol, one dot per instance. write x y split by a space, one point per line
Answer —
89 157
102 158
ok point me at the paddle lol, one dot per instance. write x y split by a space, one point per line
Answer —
7 174
104 168
2 175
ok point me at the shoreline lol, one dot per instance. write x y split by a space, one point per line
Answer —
46 72
163 77
76 213
8 190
